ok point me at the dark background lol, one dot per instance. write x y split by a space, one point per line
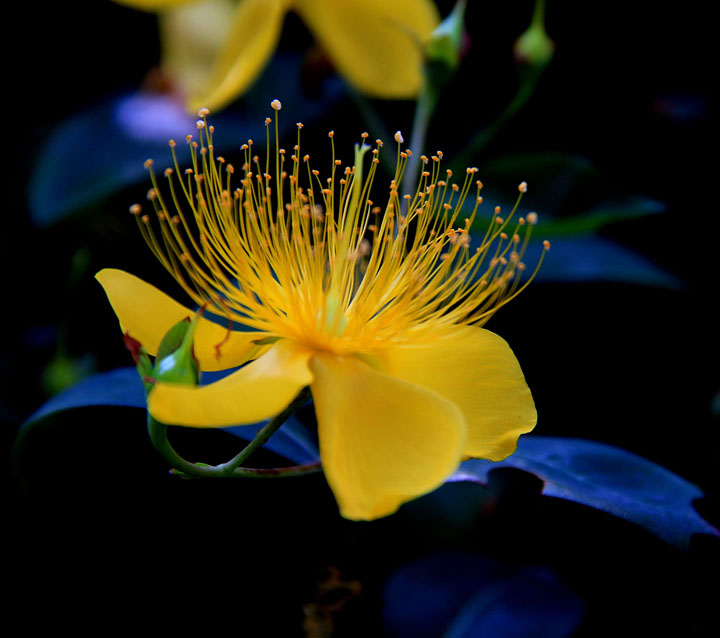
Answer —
105 536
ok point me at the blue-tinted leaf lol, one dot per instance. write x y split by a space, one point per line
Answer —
293 440
533 604
468 595
102 149
122 388
119 388
588 258
606 478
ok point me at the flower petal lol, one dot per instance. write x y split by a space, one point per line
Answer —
258 391
475 369
252 38
152 5
383 441
192 36
376 44
147 314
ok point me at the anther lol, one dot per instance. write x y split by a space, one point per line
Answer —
200 125
169 172
546 245
331 134
148 163
276 104
172 144
203 112
532 218
135 209
522 187
267 121
299 124
398 137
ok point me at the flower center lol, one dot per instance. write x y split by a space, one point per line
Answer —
316 260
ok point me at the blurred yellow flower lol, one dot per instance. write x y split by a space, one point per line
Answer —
377 309
216 48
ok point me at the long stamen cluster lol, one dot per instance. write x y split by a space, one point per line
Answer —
290 254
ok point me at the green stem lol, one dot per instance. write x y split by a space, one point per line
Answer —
528 81
426 103
158 436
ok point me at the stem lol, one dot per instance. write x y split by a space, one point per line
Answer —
158 436
265 433
427 100
483 138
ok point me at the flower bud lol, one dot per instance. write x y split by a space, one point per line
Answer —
534 47
445 42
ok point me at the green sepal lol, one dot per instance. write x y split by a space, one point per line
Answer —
176 362
173 338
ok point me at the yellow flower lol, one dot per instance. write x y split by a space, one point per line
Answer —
377 45
377 309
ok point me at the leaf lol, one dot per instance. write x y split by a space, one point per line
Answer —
531 603
591 258
122 387
467 595
606 478
102 150
293 440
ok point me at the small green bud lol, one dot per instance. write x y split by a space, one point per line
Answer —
445 42
534 47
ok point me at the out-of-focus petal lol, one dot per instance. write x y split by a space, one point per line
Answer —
147 314
153 5
476 370
258 391
192 36
383 441
376 44
249 43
